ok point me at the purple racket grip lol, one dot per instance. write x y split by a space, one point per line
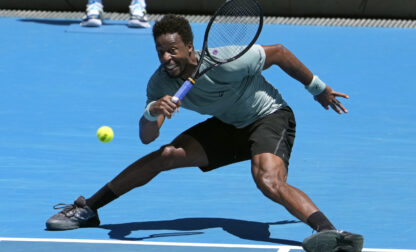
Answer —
183 90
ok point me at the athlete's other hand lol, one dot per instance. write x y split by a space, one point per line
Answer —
328 98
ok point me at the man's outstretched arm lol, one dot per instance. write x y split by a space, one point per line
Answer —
279 55
154 116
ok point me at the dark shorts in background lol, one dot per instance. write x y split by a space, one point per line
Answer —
225 144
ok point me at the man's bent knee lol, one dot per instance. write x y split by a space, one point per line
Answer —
271 186
169 156
270 175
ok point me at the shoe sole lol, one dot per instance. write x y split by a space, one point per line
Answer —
138 24
59 226
332 241
92 23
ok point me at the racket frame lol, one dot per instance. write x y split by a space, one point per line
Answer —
188 84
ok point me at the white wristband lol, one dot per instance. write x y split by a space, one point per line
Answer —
147 114
316 86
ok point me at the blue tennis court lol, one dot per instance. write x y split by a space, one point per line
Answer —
61 82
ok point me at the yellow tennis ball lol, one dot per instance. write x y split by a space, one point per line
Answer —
105 134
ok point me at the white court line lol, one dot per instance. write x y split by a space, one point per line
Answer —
286 249
218 245
388 250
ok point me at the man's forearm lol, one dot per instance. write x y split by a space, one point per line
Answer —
149 130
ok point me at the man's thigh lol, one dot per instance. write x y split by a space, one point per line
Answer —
274 134
223 143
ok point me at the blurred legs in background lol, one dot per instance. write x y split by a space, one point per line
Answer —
95 10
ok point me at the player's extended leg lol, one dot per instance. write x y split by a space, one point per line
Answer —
184 151
270 174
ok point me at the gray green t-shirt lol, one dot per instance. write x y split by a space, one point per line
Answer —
235 92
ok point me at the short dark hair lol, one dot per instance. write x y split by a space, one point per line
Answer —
170 24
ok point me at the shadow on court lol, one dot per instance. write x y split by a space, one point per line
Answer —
249 230
62 22
67 22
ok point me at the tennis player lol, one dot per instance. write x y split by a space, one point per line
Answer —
250 121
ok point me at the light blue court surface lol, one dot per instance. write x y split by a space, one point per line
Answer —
60 83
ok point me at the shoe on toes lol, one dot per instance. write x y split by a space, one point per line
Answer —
73 216
333 241
93 15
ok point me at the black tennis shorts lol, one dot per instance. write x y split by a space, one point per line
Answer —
225 144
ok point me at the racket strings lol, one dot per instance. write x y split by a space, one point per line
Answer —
234 28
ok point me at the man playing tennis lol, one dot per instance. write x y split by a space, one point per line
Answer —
250 121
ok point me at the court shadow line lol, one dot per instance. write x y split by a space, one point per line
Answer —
63 22
67 22
248 230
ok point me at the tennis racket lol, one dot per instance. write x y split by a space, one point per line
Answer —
231 31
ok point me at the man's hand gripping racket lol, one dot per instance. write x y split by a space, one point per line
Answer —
230 33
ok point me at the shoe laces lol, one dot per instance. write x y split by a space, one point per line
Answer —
67 209
95 7
137 10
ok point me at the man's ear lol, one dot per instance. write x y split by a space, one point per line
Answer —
190 47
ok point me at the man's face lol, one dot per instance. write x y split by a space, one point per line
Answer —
174 55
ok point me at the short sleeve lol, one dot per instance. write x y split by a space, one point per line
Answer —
255 59
249 64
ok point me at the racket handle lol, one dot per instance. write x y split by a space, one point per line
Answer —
183 90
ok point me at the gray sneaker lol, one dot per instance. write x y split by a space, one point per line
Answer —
333 241
73 216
